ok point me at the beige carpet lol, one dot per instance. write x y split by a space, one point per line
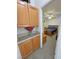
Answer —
48 50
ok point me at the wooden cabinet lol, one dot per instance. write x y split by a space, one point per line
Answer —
26 15
44 38
22 15
26 48
33 14
36 42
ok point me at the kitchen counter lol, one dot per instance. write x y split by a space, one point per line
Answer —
23 37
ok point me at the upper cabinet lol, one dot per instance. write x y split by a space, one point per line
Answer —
22 15
33 14
26 15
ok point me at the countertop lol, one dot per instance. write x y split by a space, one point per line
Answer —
24 37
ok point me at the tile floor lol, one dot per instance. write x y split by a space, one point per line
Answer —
48 50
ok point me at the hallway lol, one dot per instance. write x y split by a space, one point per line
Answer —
48 50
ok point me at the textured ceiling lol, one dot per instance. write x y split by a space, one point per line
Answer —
54 5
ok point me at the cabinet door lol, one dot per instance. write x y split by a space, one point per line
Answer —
22 15
36 42
26 48
33 14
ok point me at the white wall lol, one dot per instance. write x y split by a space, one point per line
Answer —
18 53
55 21
58 45
40 19
59 20
41 3
32 2
40 25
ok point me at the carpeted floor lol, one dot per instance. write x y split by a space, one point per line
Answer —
48 50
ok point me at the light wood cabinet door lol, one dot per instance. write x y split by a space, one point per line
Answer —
22 15
33 14
36 42
26 48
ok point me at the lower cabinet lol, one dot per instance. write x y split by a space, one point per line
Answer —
36 42
28 46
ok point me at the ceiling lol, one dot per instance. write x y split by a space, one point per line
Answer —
42 3
53 5
50 5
